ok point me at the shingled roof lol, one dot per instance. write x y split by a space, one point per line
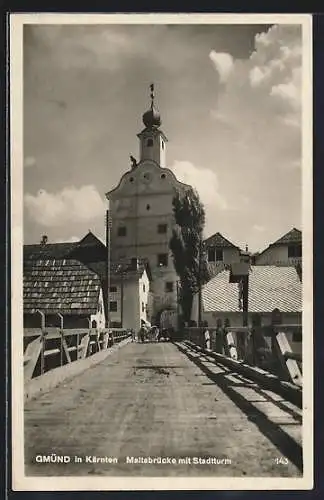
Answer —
218 240
67 277
48 251
60 286
270 287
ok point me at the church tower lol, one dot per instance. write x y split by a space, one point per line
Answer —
142 212
152 139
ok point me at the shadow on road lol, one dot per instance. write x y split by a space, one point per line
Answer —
286 444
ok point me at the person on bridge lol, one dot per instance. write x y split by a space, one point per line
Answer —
154 332
142 331
133 335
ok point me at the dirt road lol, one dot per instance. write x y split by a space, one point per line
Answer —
159 401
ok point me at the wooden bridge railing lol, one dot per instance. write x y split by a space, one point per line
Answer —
263 347
47 348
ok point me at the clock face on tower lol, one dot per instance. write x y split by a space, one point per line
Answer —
147 178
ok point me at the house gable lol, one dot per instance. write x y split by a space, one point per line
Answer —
219 241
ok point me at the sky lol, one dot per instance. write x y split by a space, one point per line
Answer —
230 102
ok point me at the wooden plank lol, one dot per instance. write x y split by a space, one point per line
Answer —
231 346
293 355
84 347
42 358
52 333
51 352
49 331
286 327
238 329
32 332
32 354
66 350
289 364
98 341
105 340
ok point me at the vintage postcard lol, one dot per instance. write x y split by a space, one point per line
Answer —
161 197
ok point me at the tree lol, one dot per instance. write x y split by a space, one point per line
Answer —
186 245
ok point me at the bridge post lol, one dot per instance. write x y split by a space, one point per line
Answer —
43 340
62 334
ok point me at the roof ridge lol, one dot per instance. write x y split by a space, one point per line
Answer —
222 238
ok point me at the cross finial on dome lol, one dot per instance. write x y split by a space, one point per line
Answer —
152 94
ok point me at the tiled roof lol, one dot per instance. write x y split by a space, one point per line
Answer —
90 245
215 268
293 236
48 251
218 240
270 287
60 285
89 251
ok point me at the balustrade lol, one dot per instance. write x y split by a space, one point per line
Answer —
46 348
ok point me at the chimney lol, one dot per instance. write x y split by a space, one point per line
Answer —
44 240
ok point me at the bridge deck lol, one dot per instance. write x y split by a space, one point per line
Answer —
163 400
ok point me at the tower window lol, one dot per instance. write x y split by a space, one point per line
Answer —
122 231
162 259
162 176
162 228
148 207
162 144
149 143
169 286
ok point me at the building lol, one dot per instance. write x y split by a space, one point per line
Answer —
142 214
286 251
72 279
270 288
130 298
58 285
220 253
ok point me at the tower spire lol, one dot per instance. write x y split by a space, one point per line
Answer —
152 139
152 95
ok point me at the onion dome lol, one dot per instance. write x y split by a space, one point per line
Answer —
152 118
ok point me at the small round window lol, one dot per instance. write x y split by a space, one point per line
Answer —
163 176
148 207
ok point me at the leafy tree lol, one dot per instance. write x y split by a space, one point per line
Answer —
186 245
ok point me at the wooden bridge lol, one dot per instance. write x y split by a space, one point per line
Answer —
98 403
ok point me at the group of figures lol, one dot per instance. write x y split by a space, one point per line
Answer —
148 333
